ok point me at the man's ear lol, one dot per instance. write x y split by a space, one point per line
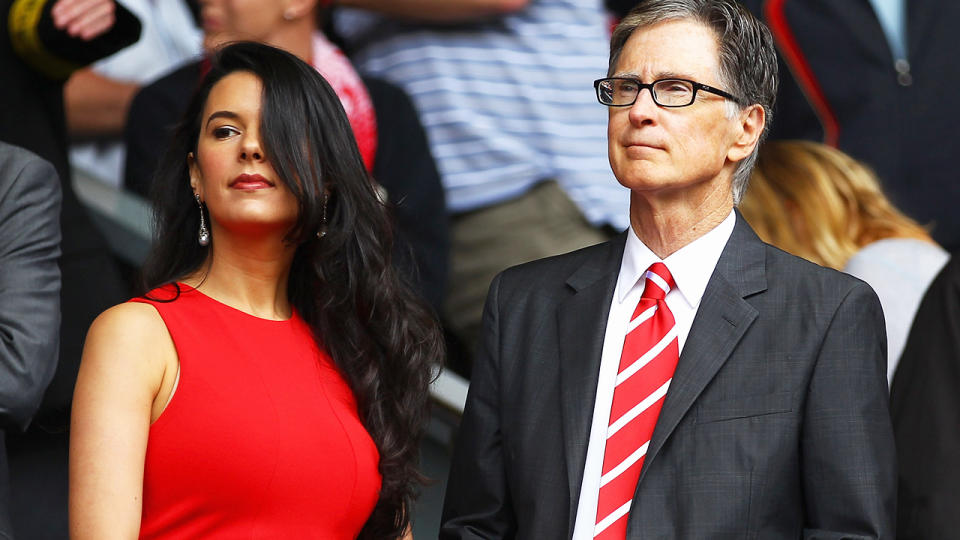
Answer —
751 122
194 174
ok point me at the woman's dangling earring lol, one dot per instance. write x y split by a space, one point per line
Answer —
203 238
323 219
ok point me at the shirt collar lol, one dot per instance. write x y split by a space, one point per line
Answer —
691 266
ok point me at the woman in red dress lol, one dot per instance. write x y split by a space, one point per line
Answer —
272 382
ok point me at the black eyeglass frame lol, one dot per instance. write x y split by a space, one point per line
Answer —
649 86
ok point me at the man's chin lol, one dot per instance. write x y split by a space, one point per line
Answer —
646 180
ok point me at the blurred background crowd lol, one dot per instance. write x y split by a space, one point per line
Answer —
477 120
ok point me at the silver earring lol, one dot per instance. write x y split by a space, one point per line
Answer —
203 238
323 219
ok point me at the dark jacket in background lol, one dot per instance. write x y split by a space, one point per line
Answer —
925 403
901 123
32 117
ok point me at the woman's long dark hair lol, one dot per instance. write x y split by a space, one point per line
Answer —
375 328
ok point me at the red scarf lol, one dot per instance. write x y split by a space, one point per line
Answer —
330 61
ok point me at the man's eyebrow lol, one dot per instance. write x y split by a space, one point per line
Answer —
657 77
222 114
673 75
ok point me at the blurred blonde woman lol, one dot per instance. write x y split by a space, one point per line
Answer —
821 204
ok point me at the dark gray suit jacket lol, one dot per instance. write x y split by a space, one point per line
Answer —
776 424
29 293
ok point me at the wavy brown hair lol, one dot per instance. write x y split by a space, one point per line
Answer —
377 330
820 204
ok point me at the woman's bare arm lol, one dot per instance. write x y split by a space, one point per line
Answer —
126 368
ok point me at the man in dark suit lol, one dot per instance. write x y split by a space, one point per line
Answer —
29 294
684 380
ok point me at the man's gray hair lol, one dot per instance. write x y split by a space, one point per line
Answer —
748 58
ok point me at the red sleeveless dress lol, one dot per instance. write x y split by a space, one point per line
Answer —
261 438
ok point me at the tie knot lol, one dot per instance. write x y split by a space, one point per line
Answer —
658 282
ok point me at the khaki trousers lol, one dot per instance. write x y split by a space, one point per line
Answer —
484 242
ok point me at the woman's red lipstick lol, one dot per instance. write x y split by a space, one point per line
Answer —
250 182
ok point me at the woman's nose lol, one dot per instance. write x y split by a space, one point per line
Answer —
251 149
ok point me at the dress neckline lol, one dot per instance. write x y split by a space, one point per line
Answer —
187 288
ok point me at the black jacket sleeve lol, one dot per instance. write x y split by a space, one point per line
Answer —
55 53
925 404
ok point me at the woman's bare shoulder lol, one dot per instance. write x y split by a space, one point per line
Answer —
130 327
130 318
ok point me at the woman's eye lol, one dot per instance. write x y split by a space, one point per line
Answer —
223 132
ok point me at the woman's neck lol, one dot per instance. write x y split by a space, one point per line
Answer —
250 276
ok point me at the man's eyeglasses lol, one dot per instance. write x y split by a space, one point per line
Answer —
623 91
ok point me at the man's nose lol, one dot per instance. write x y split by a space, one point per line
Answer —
644 108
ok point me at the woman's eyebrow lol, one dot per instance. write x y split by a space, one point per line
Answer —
222 114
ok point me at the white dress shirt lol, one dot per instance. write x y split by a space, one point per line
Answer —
691 267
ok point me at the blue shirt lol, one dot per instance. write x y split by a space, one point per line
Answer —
506 102
893 18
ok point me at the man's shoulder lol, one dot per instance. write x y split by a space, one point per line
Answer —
786 271
554 271
16 157
747 258
17 163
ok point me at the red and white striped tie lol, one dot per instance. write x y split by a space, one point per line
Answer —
649 358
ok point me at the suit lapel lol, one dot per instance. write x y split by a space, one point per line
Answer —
581 326
721 321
